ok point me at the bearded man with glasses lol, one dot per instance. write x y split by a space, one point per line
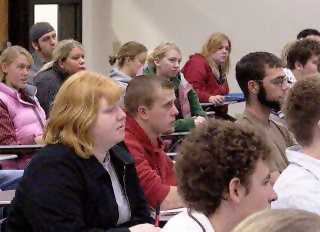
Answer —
261 78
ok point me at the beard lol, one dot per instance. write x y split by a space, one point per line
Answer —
262 97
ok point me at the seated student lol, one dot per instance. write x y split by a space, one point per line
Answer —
264 84
165 61
223 176
149 103
130 59
81 181
303 58
298 185
207 71
280 220
68 58
21 117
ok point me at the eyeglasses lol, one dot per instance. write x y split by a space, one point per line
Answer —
278 81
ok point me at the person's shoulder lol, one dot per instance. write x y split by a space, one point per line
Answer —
183 222
53 153
44 76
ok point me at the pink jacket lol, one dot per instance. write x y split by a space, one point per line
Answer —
28 118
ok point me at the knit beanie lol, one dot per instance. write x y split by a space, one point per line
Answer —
38 30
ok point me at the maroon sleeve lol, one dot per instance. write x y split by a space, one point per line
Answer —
195 72
7 131
150 181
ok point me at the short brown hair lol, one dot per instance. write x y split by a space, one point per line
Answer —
73 113
211 156
301 51
141 91
302 108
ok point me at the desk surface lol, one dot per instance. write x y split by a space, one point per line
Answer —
6 197
18 149
7 157
221 104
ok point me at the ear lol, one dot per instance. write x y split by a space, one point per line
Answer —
143 112
61 64
253 87
236 190
35 45
298 65
127 60
4 68
157 61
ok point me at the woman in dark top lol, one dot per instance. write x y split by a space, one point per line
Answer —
68 58
81 180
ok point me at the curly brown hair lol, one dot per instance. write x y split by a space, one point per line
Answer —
211 156
301 108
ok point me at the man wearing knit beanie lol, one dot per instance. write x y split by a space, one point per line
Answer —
43 40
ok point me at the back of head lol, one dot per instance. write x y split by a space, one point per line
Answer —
302 110
280 220
141 91
307 32
75 108
301 51
211 156
160 51
128 50
39 29
253 67
10 54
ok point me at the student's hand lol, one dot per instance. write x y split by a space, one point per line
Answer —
199 120
144 228
217 99
38 139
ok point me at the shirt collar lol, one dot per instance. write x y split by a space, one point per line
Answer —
134 128
297 157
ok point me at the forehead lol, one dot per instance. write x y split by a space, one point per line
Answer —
21 58
49 34
314 58
76 50
225 43
172 53
163 95
271 73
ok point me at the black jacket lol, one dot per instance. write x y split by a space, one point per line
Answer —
61 191
48 83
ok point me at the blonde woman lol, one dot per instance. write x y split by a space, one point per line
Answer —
129 60
280 220
207 71
68 58
81 181
21 117
165 61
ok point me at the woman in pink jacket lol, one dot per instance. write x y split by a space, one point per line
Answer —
21 117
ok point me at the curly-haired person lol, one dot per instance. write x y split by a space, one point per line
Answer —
223 176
